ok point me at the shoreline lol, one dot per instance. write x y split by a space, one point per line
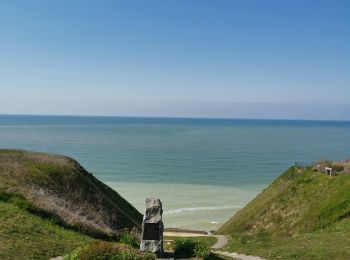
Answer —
180 232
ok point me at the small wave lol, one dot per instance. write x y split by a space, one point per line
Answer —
177 211
214 222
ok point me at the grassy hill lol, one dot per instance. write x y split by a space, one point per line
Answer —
302 214
27 236
58 186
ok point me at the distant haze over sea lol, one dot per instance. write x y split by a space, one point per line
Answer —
202 169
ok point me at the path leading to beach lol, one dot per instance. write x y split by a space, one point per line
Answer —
221 242
237 256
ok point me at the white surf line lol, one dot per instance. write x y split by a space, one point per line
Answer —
180 210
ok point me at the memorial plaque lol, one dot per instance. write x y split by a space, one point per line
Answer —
151 231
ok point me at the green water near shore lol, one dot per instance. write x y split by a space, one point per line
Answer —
189 205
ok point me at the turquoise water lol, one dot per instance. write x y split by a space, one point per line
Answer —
203 170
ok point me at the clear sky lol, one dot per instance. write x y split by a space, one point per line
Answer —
187 58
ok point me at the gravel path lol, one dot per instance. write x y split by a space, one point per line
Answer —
222 241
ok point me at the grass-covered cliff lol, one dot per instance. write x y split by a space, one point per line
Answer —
24 235
58 186
302 214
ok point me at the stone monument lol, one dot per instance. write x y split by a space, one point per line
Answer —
152 228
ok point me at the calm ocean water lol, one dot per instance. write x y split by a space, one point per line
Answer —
203 170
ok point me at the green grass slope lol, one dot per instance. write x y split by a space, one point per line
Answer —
27 236
61 187
302 214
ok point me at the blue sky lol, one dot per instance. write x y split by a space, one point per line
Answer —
235 59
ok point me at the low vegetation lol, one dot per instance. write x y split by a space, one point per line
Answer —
101 250
170 241
329 243
24 235
303 214
194 247
131 238
186 248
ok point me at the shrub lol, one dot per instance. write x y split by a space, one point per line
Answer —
201 250
101 250
130 238
338 167
185 248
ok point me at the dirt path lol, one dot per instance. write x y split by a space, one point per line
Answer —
237 256
221 243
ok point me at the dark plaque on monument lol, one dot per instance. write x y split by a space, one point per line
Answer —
152 227
151 231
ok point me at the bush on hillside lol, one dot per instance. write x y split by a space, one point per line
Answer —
130 238
186 248
338 167
201 250
101 250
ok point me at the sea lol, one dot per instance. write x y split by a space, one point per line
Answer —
203 170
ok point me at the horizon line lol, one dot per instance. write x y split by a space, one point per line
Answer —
176 117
